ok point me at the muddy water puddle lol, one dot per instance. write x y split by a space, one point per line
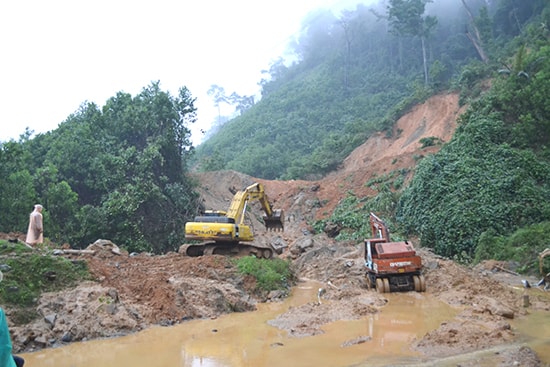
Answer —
246 339
535 331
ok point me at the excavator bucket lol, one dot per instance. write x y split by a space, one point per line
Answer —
275 222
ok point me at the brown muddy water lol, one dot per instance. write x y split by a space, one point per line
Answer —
247 340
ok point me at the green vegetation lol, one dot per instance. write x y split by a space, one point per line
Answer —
116 172
270 274
357 73
120 171
430 141
522 246
493 178
27 274
486 194
352 214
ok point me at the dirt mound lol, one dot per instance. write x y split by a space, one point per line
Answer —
131 292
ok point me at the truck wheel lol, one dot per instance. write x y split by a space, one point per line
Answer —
380 285
387 285
368 281
416 281
422 283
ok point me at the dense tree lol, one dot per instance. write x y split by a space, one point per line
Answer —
493 177
407 17
118 172
17 192
475 36
346 80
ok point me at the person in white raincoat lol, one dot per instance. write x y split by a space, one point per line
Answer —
35 233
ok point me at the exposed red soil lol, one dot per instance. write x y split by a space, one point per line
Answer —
130 293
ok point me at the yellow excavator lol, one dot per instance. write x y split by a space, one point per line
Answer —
225 232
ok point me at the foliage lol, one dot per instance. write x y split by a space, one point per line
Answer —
430 141
522 246
352 213
349 82
31 274
357 73
270 274
494 176
407 17
117 172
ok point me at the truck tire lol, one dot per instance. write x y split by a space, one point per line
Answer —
387 285
380 285
422 283
416 281
368 282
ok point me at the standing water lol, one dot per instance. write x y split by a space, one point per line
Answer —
246 339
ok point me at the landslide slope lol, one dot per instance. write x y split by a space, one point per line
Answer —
381 154
131 292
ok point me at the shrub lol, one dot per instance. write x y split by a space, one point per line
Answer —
31 274
269 274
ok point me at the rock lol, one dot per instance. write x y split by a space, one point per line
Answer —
277 294
50 319
104 245
359 340
5 268
304 244
113 293
332 229
67 337
278 244
110 308
23 339
41 341
494 307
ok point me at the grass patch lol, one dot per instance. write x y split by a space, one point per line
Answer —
27 274
270 274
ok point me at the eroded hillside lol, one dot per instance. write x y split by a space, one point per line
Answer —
144 290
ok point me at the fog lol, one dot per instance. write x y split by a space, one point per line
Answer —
60 54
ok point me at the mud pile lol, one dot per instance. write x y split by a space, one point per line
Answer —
132 292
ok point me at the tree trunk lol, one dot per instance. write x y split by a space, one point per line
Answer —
476 37
425 61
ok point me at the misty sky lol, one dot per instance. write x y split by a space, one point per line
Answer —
57 54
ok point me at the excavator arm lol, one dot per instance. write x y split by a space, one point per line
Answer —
273 219
379 228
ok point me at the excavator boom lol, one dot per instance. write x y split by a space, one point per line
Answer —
273 219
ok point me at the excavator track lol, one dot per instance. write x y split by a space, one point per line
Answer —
227 249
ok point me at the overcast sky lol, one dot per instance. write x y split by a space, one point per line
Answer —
58 54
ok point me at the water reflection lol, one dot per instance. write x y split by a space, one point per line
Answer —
246 339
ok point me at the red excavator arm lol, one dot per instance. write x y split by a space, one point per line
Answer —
379 228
